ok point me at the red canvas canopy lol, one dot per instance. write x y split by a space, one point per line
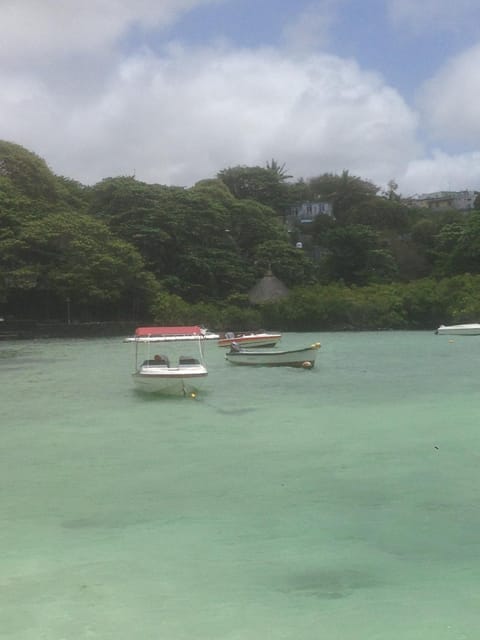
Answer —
167 331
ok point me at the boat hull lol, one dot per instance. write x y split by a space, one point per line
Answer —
299 358
253 340
459 330
170 381
171 372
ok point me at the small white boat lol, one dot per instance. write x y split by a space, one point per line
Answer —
172 372
250 339
301 358
459 330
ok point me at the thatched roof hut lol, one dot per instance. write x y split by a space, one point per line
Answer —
268 289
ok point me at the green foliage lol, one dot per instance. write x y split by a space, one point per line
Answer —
357 255
380 213
461 298
337 307
465 255
27 172
412 260
423 304
124 248
319 227
170 309
72 257
429 302
445 250
240 319
343 191
265 185
195 241
73 194
289 264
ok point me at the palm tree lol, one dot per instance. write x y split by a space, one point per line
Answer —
279 170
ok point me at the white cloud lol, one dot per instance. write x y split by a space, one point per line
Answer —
449 100
311 30
60 27
184 117
430 15
442 172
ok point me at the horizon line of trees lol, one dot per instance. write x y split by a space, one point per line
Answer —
123 249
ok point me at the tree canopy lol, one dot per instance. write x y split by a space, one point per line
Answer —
123 248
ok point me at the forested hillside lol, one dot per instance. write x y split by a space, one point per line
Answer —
126 250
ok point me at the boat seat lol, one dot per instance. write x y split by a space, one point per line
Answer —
163 360
187 360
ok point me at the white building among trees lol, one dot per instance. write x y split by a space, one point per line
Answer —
442 200
308 211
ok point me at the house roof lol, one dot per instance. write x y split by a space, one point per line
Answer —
268 289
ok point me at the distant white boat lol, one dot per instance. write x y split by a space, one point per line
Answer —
173 371
459 330
262 339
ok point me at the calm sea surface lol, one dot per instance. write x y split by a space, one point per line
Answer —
341 503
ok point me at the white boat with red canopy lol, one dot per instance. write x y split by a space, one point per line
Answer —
171 334
177 370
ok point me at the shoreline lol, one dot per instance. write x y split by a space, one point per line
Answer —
32 330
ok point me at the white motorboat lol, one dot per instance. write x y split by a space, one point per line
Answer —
300 358
173 371
248 340
459 330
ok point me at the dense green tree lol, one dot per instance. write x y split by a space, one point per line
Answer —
343 191
64 257
138 213
292 266
380 213
27 172
198 242
319 226
356 255
298 192
461 298
108 250
445 246
264 184
423 304
461 246
73 194
412 259
251 224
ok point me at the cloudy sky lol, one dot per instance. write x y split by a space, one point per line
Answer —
173 91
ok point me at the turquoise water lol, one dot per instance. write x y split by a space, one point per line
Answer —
340 503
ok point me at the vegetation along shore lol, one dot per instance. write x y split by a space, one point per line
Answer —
124 251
